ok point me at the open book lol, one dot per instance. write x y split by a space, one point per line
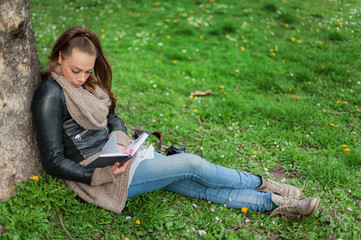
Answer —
111 153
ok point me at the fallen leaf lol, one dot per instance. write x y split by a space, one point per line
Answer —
200 93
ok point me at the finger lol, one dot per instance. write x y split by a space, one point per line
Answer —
122 168
115 166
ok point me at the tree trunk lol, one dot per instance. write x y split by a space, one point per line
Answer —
19 75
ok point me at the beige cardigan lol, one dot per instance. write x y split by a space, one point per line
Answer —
105 191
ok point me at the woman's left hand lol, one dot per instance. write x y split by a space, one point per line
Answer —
116 169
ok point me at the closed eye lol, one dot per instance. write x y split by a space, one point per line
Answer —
76 72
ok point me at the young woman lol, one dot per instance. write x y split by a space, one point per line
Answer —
74 115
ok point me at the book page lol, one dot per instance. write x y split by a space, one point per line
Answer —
134 146
111 146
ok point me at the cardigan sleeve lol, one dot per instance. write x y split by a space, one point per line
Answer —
47 108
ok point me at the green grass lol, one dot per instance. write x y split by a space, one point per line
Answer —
285 81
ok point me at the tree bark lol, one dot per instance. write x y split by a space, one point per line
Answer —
19 75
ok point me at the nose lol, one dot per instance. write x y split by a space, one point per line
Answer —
82 77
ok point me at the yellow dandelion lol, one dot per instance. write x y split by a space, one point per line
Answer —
71 3
242 48
103 36
328 28
42 40
317 30
221 86
274 54
197 129
189 58
244 209
347 149
228 36
286 25
137 222
290 89
157 3
254 153
293 39
279 104
338 101
102 30
243 37
201 37
320 42
175 20
126 238
358 110
299 41
344 145
195 110
332 125
340 23
169 37
309 82
175 61
346 103
80 15
271 50
225 93
35 178
268 26
167 20
111 11
237 71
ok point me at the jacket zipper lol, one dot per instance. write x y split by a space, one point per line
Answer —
79 135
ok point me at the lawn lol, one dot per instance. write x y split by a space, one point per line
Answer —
285 84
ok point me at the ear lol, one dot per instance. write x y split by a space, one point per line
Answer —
59 58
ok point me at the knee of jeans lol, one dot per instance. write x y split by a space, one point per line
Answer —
194 162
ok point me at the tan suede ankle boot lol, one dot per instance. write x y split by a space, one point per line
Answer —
294 206
282 189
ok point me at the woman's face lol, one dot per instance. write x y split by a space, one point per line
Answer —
77 67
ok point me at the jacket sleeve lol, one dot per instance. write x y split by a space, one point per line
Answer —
115 123
47 107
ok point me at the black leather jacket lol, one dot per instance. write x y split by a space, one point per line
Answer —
63 143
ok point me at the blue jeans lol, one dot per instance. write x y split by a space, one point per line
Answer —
193 176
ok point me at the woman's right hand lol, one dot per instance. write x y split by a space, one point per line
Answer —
116 169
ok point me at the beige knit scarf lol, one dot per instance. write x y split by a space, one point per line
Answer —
88 109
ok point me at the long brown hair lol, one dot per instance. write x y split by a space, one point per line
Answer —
86 41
